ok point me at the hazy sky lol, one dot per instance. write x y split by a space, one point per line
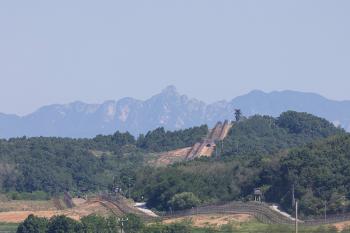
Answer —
66 50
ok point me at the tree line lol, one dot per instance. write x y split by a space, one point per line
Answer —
55 165
133 224
294 151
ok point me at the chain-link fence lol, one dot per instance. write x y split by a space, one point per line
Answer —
260 211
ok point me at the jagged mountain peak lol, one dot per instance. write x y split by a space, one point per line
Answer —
171 89
169 109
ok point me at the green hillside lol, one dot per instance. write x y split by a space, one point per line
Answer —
55 165
264 135
275 154
320 172
253 155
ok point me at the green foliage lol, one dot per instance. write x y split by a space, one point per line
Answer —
172 228
306 124
238 114
8 227
35 196
258 152
48 164
154 228
324 229
98 224
117 143
160 140
177 228
279 228
320 172
134 224
33 225
62 224
227 228
184 201
264 135
54 165
255 155
209 181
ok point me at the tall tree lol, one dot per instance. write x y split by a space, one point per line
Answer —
238 114
33 224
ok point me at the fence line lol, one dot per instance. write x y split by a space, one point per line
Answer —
261 211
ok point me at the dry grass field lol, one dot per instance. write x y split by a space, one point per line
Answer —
212 220
17 211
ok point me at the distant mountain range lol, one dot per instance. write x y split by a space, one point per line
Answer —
168 109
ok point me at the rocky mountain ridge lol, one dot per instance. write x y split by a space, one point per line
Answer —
168 109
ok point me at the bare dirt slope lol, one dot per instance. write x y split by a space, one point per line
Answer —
206 147
94 206
171 157
26 205
342 225
212 220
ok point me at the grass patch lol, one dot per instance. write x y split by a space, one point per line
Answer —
256 226
8 227
34 196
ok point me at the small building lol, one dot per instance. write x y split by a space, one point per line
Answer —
258 195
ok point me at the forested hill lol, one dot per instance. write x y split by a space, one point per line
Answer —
253 156
258 152
320 172
54 165
265 135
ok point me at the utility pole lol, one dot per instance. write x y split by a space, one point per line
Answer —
325 212
222 146
129 187
296 217
293 195
122 220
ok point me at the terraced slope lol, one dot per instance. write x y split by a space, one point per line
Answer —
208 145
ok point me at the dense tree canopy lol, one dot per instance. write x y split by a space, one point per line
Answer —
264 135
97 224
258 152
294 150
55 165
320 172
33 225
161 140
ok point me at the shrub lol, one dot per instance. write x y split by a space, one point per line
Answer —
33 224
184 200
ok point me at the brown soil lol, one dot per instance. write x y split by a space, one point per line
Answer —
207 151
213 220
172 156
342 225
219 132
27 206
19 216
78 201
225 131
91 207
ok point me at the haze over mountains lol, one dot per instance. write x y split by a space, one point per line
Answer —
168 109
